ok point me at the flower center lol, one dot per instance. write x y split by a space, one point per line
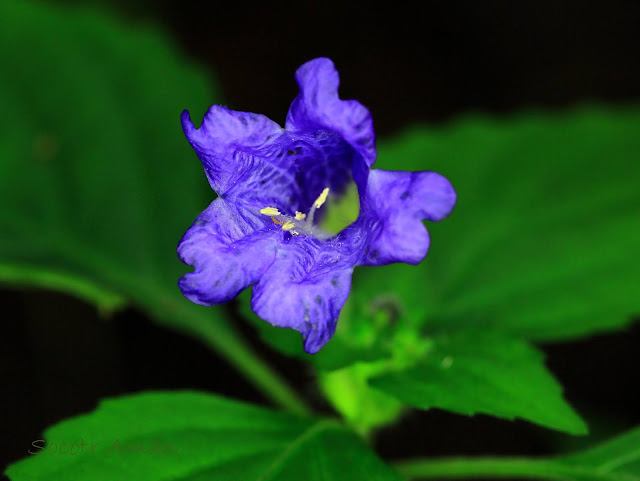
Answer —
300 223
341 210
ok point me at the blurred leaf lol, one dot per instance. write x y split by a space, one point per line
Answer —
194 436
544 242
545 239
479 372
97 182
614 460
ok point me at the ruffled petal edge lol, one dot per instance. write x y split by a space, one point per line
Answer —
400 201
318 107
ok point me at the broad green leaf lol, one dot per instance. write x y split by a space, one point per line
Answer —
97 183
545 239
194 436
478 372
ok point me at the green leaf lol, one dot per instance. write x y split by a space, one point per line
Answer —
614 460
97 183
479 372
523 255
543 242
545 239
195 436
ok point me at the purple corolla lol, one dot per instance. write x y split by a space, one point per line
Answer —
272 184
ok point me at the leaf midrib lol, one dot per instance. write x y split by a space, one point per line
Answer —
319 426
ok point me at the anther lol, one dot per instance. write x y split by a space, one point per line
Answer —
270 211
322 198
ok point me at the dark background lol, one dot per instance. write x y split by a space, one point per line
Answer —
59 357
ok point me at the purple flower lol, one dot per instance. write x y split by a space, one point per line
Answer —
272 182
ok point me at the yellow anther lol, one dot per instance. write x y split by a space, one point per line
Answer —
322 198
270 211
288 225
300 215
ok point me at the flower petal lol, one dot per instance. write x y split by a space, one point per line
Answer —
318 107
300 281
227 140
230 248
400 201
304 289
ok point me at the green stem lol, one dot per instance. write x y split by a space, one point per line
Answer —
478 468
219 334
227 342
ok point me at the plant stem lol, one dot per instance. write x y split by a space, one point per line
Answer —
227 342
478 468
217 332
